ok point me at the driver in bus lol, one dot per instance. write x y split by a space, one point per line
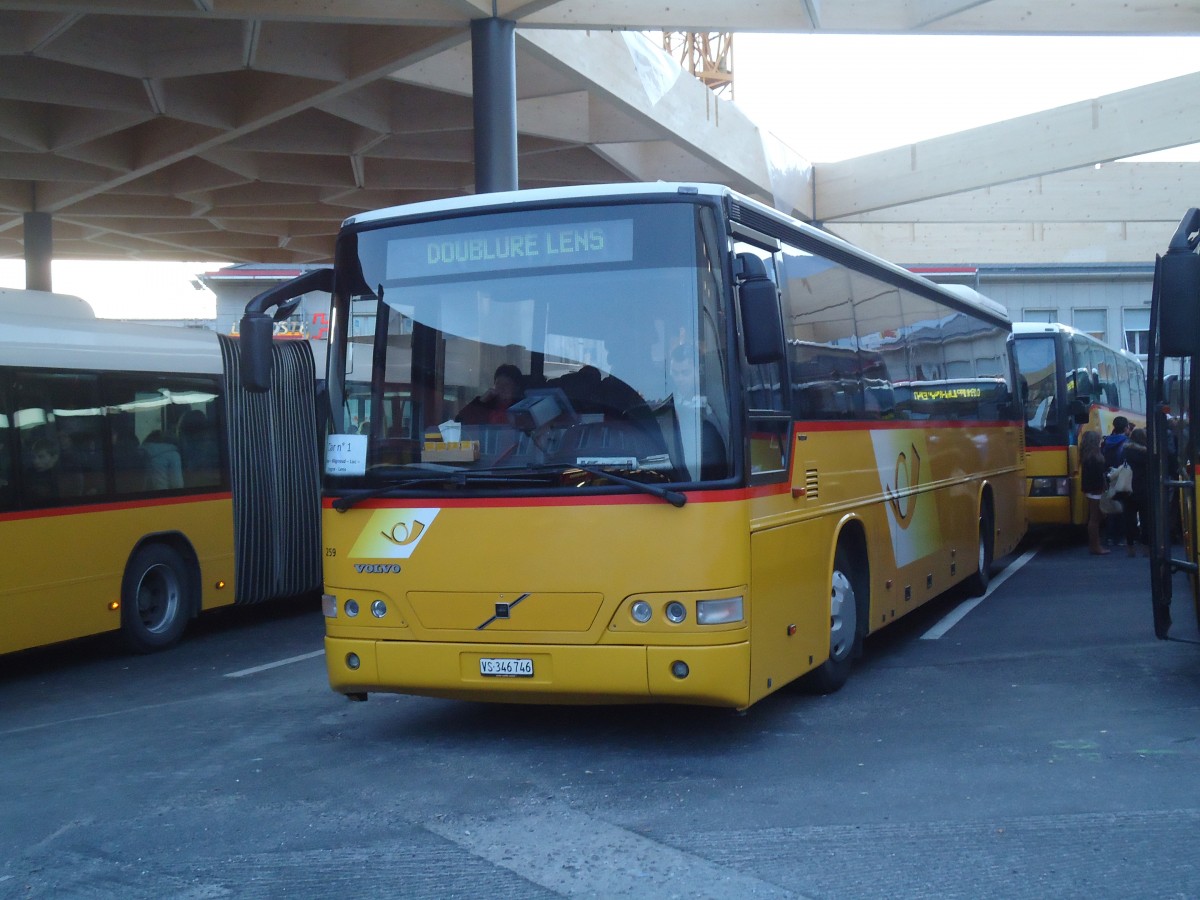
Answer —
491 408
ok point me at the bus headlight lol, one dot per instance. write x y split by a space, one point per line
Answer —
378 609
641 611
719 612
351 608
676 612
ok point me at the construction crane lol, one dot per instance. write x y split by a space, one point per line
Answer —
708 55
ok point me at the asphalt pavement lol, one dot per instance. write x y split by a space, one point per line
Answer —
1038 743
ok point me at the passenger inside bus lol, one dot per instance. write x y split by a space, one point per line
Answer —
164 469
491 408
41 477
198 449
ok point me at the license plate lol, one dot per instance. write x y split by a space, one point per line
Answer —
506 668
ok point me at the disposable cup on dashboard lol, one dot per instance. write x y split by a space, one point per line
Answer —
451 431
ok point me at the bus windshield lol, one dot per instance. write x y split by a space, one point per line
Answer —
538 344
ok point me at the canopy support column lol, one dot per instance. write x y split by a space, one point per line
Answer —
494 83
39 250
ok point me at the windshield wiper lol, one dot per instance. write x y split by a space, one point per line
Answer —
428 473
675 498
460 477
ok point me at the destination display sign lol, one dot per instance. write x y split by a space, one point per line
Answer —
506 249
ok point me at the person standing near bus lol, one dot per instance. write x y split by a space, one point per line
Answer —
1113 447
1135 504
1093 481
1113 450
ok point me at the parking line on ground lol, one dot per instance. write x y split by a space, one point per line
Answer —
273 665
959 612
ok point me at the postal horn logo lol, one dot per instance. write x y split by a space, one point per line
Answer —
898 493
393 533
904 465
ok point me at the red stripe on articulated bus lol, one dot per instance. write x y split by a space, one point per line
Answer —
112 507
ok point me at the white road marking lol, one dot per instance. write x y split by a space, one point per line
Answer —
960 612
273 665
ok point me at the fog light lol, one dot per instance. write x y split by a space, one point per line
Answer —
679 669
676 612
352 608
352 661
379 609
641 611
329 606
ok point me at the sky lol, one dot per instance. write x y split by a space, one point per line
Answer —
831 97
828 97
134 290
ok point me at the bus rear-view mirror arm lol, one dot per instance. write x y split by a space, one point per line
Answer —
258 327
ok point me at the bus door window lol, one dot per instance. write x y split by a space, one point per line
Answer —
767 407
1035 363
1087 372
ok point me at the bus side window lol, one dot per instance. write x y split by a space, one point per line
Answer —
7 486
129 462
198 449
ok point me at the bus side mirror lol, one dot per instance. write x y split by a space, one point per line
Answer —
254 339
1179 296
762 320
1079 411
1177 291
257 327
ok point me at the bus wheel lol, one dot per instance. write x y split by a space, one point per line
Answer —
844 638
977 584
154 599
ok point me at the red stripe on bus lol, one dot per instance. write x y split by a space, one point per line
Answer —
111 507
923 424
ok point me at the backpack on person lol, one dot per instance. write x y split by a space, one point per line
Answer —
1113 448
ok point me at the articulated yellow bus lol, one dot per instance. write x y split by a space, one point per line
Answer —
139 484
643 443
1071 383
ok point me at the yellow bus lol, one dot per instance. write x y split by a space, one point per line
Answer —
1071 383
1174 397
703 488
139 484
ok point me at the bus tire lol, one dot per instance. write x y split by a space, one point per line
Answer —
845 635
977 583
155 599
